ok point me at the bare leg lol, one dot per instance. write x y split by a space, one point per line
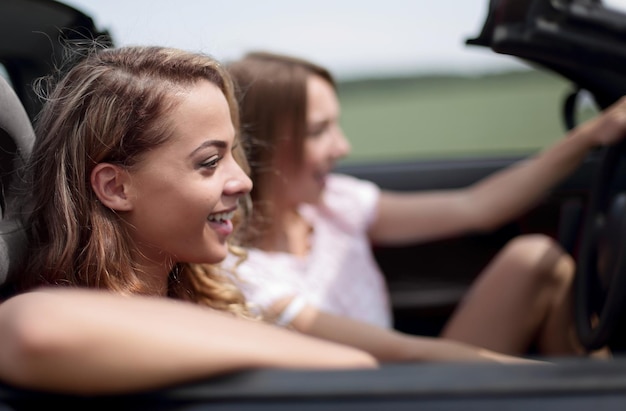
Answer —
524 296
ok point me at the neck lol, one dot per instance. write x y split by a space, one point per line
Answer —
154 276
156 285
287 231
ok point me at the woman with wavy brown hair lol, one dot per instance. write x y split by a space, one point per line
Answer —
113 108
133 191
310 262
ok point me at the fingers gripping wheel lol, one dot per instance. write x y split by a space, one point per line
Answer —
600 284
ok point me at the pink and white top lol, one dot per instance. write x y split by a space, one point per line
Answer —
340 274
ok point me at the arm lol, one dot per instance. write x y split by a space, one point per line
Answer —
388 345
96 342
408 217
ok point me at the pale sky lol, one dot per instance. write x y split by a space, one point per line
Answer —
353 38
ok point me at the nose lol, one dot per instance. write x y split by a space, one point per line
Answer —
237 183
341 145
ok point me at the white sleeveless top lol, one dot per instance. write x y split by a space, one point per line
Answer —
340 274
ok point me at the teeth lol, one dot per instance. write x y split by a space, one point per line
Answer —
219 217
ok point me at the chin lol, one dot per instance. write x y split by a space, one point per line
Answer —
313 198
214 255
314 192
219 255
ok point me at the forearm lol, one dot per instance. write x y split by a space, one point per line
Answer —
88 342
512 191
440 349
409 217
389 345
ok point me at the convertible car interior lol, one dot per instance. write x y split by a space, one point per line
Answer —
583 41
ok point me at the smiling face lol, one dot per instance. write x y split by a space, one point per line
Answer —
323 146
180 198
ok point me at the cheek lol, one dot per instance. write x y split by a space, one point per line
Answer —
175 204
313 153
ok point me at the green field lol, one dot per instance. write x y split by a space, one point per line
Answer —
435 117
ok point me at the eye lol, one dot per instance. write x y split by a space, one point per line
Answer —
317 129
211 162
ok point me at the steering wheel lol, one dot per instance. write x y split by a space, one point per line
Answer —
600 283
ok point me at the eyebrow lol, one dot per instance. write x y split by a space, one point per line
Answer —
209 143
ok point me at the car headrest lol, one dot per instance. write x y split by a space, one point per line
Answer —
16 142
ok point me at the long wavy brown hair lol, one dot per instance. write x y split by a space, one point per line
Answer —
271 89
110 107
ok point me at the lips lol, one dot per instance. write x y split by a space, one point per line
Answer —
221 217
221 222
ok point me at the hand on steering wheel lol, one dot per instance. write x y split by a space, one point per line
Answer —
600 285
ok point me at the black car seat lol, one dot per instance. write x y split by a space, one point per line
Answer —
16 142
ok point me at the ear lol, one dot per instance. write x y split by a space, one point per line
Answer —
110 183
